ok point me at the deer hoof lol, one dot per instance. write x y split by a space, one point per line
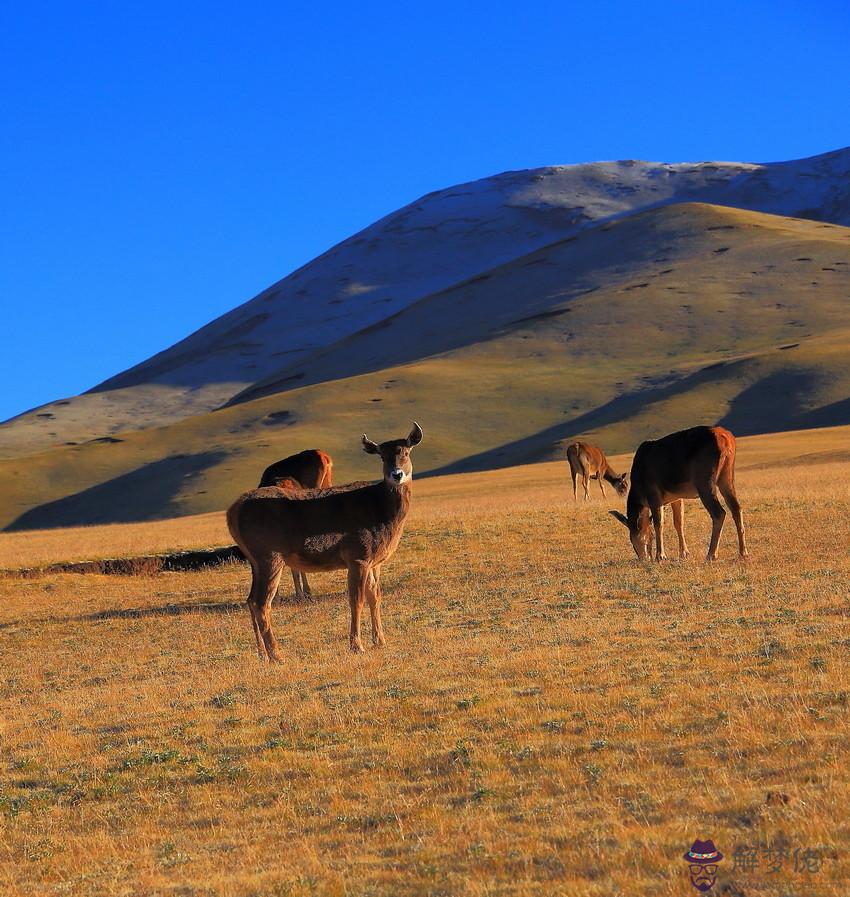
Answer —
660 557
378 642
357 647
684 554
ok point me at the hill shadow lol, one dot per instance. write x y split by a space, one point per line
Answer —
538 445
773 403
146 493
836 414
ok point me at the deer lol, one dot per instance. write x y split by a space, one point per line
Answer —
356 529
309 469
693 463
589 462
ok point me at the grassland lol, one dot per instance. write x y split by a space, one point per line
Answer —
549 716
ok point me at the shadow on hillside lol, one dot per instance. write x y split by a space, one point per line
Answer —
539 445
836 414
773 403
146 493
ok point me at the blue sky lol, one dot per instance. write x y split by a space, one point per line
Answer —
161 163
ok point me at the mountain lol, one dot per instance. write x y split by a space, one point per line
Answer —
446 241
641 324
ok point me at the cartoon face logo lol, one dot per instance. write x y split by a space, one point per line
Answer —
703 858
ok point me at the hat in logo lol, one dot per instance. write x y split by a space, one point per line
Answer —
703 853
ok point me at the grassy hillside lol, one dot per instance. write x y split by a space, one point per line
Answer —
564 721
682 315
440 241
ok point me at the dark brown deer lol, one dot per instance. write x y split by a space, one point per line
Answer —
693 463
356 529
310 469
589 462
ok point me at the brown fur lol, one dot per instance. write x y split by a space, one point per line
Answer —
355 528
589 462
693 463
309 469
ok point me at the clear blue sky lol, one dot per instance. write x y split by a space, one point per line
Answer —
163 162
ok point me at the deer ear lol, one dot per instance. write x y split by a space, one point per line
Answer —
415 435
621 517
369 446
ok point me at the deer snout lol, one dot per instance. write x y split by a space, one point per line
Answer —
397 475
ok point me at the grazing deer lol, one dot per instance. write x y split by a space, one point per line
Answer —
693 463
588 461
357 529
310 469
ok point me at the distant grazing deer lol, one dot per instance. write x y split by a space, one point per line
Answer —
692 463
357 529
309 469
588 461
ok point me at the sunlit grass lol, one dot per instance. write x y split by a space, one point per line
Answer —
548 717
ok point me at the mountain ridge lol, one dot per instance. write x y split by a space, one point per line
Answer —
446 237
681 314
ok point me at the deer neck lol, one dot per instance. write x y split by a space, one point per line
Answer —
397 500
610 476
634 507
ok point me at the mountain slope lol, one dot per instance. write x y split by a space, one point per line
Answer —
435 243
682 314
708 254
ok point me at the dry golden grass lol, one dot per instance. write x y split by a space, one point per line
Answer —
549 716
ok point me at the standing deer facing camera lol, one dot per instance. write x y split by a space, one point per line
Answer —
357 529
693 463
588 461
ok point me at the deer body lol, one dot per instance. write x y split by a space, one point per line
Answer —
588 462
355 527
694 463
311 468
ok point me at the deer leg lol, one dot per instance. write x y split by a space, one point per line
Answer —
306 591
708 496
585 481
728 492
373 594
261 648
679 523
267 573
358 581
575 484
658 522
601 484
296 580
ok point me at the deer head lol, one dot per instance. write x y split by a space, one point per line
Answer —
395 454
621 485
639 531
